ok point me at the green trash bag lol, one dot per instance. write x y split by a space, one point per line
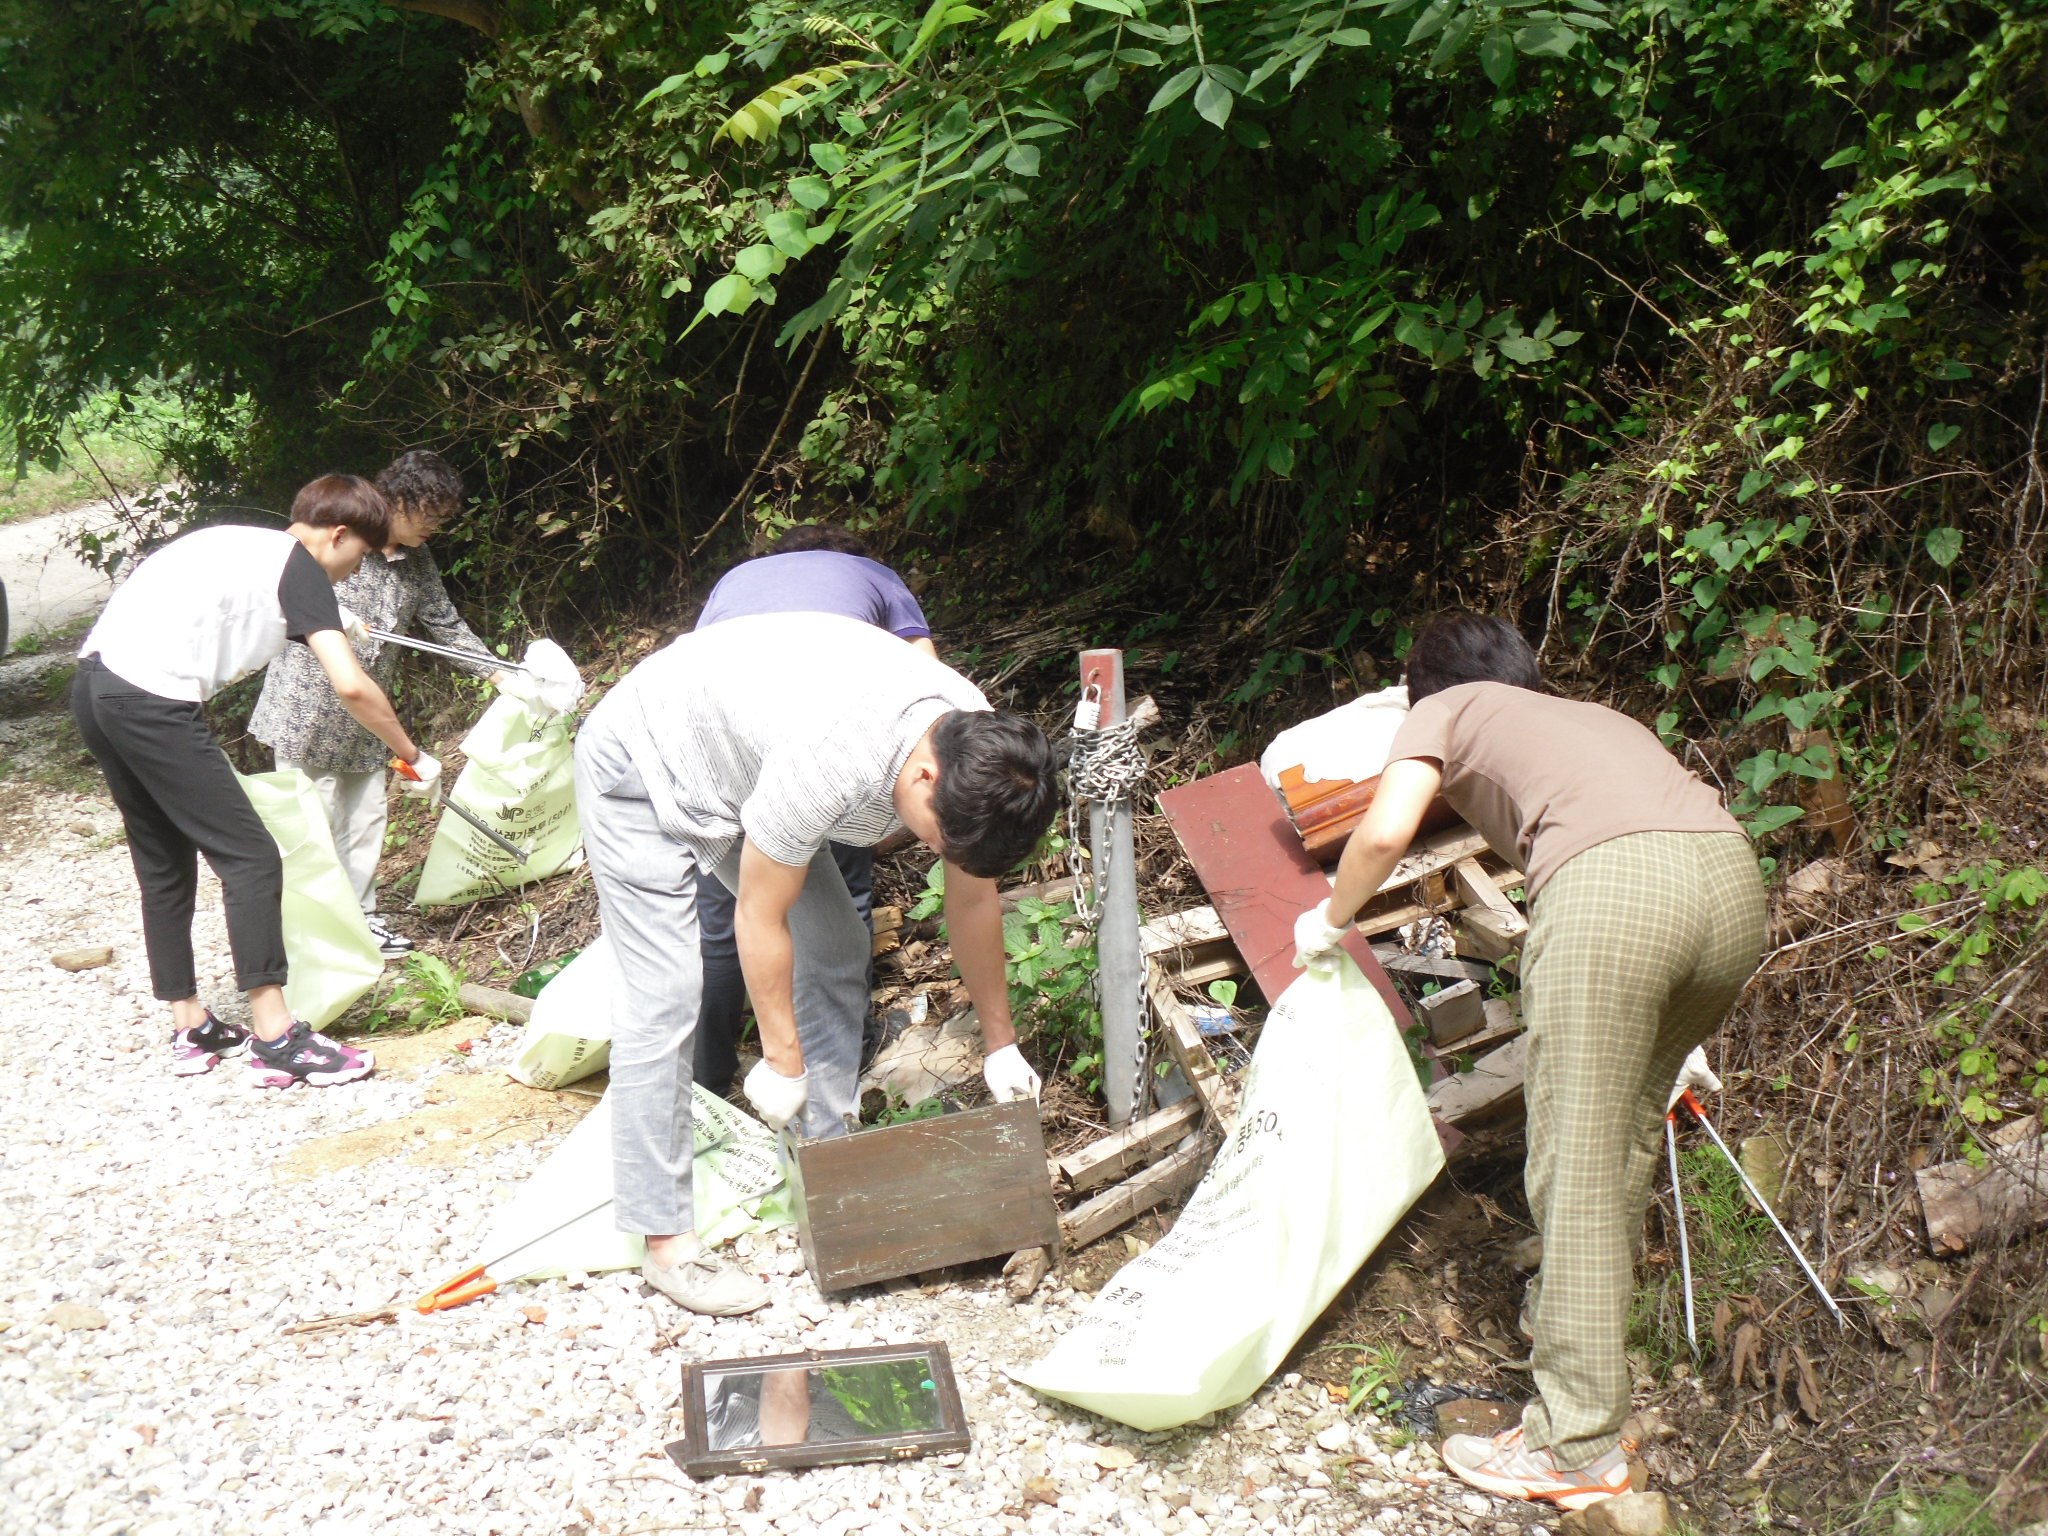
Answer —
520 778
333 959
1333 1144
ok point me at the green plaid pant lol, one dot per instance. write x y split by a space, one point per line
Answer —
1637 948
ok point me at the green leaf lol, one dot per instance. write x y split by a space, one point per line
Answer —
1351 37
1175 88
758 263
1022 160
1100 84
1939 436
1547 39
786 229
1523 349
829 158
1771 818
1497 56
1429 22
673 82
729 295
1842 157
1213 99
1944 545
812 192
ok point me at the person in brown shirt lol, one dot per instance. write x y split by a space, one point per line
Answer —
1646 917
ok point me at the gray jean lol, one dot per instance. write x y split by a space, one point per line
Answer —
647 895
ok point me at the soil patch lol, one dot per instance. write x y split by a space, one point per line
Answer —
465 1111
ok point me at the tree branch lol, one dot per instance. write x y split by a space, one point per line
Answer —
480 14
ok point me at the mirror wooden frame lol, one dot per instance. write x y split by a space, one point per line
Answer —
693 1453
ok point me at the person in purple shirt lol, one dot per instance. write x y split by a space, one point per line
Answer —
813 568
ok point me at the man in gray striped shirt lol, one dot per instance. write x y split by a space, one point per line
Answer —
745 748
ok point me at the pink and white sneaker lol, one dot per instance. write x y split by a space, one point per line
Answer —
200 1050
302 1056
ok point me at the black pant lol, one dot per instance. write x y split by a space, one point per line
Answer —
179 799
722 1013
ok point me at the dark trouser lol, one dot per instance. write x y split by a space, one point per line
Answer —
179 799
722 1013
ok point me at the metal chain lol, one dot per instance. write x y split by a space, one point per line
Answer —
1104 768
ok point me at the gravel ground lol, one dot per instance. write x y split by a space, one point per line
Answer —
150 1253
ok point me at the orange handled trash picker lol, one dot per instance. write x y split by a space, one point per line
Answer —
506 843
476 1281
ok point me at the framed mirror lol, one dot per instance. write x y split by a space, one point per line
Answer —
817 1409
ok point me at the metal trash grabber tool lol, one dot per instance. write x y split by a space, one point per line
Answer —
445 652
476 1281
1763 1205
1692 1332
510 847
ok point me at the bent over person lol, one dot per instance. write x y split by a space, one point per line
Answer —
206 610
813 568
745 749
307 727
1646 916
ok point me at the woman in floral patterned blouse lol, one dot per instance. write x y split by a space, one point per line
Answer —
303 723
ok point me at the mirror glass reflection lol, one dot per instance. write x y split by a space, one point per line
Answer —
811 1405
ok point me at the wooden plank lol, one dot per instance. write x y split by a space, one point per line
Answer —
1259 877
495 1004
1170 1017
1491 1089
1964 1205
903 1199
1164 1180
1426 968
1452 1014
1481 892
1140 1142
1183 930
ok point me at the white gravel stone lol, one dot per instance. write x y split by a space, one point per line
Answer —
155 1200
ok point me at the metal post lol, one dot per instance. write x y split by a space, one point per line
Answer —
1114 869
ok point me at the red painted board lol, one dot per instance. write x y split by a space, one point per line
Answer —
1258 876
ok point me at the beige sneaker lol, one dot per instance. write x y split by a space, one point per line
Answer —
1504 1464
706 1283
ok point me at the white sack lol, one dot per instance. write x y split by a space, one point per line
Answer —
737 1183
1333 1145
1350 742
569 1036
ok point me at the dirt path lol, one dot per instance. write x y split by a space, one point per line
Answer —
47 585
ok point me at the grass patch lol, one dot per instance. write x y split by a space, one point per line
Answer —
1732 1244
1955 1509
132 466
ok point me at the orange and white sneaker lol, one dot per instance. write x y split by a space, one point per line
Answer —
1504 1465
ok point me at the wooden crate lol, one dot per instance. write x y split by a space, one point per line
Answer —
903 1199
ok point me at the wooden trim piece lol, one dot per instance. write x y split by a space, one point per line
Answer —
1182 930
1163 1181
1490 1089
1135 1145
1480 891
1184 1043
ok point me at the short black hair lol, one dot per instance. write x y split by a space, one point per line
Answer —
803 536
345 501
1461 647
997 790
420 478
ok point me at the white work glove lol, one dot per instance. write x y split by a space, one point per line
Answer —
551 679
526 688
1317 940
1009 1075
1696 1075
428 785
353 629
776 1099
